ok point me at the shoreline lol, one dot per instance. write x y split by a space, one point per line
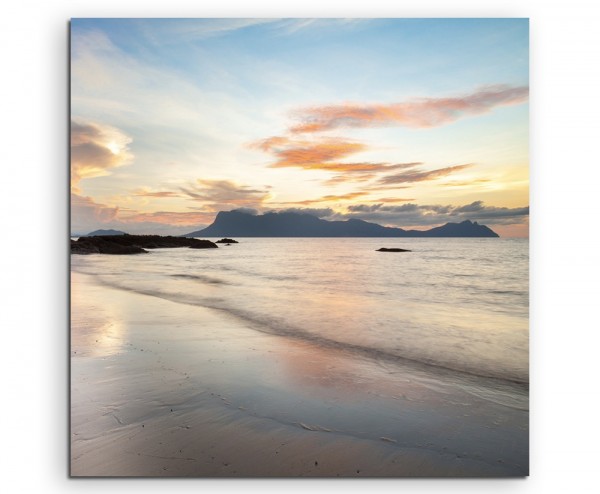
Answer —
161 389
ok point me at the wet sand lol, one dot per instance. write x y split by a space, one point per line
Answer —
166 389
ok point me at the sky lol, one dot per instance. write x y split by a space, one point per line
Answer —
410 123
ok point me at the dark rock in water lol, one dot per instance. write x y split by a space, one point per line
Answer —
98 245
383 249
134 244
202 244
227 241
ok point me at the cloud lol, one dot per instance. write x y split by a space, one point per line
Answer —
174 31
146 192
393 199
213 196
250 211
325 153
95 150
318 212
174 218
171 31
331 198
417 113
354 177
85 212
491 212
225 194
292 26
411 214
417 175
322 154
88 215
330 153
466 183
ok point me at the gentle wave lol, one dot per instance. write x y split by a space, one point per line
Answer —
279 326
202 278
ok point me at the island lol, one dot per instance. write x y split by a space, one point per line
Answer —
238 223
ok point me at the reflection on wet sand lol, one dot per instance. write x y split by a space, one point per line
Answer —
97 328
170 389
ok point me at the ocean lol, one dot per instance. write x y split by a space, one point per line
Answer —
457 304
437 338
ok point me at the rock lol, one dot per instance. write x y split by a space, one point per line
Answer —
99 245
227 241
384 249
134 244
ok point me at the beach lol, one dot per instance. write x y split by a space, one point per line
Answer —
161 388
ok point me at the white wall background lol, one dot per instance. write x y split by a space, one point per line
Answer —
565 82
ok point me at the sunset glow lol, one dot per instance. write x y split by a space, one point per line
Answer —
410 123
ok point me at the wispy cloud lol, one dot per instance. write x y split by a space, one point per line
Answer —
417 113
329 198
419 175
393 199
172 31
466 183
332 153
321 154
293 26
225 194
146 192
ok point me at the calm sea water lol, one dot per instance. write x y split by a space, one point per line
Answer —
458 304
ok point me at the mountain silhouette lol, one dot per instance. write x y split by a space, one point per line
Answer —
241 224
104 233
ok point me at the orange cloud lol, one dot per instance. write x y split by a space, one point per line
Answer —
95 150
321 154
144 192
348 197
466 183
310 154
354 177
421 176
418 113
329 198
393 199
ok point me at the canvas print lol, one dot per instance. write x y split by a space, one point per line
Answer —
299 248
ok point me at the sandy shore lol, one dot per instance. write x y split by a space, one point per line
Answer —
166 389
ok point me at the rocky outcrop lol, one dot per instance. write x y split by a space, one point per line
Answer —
134 244
227 241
